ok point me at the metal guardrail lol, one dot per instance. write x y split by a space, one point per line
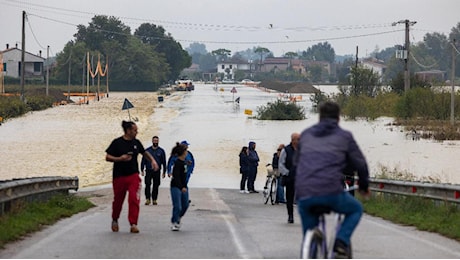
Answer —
436 191
17 189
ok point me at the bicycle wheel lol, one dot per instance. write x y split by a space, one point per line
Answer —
312 245
273 188
267 190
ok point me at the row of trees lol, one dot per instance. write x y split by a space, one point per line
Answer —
142 60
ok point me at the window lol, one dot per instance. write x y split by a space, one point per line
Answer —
4 66
231 66
37 67
223 66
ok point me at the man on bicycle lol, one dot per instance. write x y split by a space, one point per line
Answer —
324 151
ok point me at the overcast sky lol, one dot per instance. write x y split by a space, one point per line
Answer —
279 25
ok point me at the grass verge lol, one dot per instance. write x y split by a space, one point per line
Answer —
424 214
33 216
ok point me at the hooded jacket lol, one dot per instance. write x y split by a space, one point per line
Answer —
253 157
324 151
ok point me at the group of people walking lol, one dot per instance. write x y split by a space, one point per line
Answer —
313 168
124 151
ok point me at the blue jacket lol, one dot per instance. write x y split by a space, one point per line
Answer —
160 157
189 164
253 158
244 163
324 151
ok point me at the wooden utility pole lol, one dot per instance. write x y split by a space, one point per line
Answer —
355 76
406 61
23 46
452 94
406 54
47 69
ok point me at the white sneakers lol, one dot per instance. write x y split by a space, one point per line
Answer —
175 226
244 191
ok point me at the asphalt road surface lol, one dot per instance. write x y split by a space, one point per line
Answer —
220 223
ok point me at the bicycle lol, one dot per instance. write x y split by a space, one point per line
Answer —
270 185
315 244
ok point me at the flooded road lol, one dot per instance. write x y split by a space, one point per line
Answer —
71 140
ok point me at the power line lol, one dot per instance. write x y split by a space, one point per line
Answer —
455 48
33 34
421 65
236 42
206 26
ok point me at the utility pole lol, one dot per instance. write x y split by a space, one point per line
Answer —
23 46
47 69
355 76
452 94
406 53
68 79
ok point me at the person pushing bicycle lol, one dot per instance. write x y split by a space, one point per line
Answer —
324 151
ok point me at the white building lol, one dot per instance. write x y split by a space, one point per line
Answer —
11 59
375 65
228 68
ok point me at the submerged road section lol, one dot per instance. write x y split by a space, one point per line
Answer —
220 223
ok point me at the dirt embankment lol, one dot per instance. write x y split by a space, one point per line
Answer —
289 87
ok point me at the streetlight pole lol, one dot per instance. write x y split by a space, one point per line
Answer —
407 52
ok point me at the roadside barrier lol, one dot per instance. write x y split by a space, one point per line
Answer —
17 191
435 191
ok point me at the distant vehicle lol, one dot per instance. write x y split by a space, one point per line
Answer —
228 81
249 82
184 85
244 81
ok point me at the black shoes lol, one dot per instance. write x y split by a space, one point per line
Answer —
291 220
253 191
341 250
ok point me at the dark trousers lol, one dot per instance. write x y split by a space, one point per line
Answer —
290 192
252 178
152 176
244 180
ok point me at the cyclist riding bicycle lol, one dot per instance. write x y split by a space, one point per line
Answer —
324 151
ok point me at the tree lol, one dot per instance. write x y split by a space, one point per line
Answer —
129 58
316 73
196 48
320 52
222 54
261 51
102 29
176 57
397 83
362 81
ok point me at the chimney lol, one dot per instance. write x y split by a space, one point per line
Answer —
16 45
7 46
40 53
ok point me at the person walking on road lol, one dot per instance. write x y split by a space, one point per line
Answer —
189 160
253 159
279 185
324 151
288 170
123 152
152 176
244 169
179 190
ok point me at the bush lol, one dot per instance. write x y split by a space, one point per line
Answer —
12 107
280 110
